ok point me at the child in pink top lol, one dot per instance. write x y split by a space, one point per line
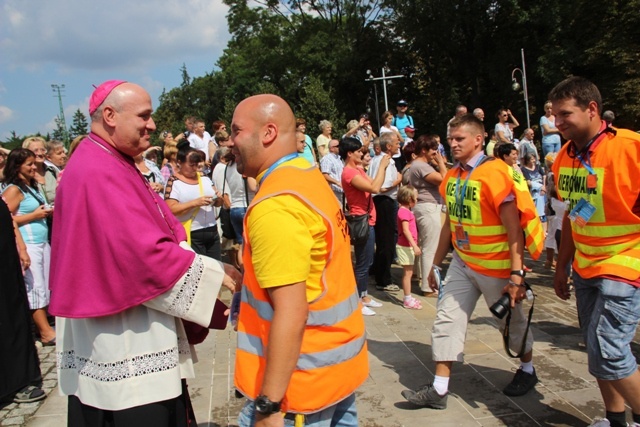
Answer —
407 247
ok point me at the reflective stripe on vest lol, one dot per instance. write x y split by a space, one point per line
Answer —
252 344
327 317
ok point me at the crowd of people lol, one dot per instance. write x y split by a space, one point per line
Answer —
286 209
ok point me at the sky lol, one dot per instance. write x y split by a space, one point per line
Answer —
80 43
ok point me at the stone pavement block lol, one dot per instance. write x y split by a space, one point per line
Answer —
12 421
587 401
479 397
48 421
489 362
557 377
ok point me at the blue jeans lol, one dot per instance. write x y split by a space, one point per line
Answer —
364 258
609 312
237 220
342 414
550 147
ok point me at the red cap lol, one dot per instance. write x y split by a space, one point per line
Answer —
100 94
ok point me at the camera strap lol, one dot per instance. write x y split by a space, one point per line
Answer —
505 332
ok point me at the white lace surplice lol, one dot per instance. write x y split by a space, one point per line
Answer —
138 356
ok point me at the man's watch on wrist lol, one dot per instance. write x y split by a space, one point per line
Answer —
264 406
520 273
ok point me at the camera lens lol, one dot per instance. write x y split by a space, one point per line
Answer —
501 307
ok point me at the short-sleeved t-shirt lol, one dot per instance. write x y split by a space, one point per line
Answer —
294 253
427 193
505 129
184 192
405 214
357 200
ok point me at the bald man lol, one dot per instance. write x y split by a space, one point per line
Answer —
122 278
301 347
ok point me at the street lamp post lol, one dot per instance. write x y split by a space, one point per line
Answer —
516 86
384 79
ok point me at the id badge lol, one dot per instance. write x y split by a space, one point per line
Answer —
582 212
462 238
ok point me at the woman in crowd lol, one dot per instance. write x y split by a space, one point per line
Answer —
358 188
322 141
551 141
537 181
3 161
56 156
150 171
30 210
386 120
409 153
191 197
169 152
46 184
503 129
425 175
19 363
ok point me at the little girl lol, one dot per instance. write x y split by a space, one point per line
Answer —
407 247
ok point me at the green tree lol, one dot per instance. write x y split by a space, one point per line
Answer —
79 125
14 141
59 132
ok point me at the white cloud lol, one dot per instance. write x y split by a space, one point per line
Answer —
6 114
117 35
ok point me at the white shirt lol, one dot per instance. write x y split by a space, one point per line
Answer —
201 144
390 176
332 166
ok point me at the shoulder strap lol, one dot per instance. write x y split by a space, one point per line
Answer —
35 196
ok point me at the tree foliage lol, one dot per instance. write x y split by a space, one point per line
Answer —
79 125
316 54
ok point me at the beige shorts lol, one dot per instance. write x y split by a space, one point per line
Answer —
461 290
405 255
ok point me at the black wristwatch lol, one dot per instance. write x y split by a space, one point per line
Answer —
265 406
520 273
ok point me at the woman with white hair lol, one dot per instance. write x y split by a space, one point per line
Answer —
322 141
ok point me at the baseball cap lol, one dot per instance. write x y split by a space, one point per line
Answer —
403 102
100 94
364 116
409 129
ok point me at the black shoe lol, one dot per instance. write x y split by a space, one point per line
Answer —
426 396
521 383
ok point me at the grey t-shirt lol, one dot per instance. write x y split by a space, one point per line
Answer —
427 193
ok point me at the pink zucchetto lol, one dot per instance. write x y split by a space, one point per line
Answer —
100 94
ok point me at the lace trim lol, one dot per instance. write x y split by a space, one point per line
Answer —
119 370
188 288
183 346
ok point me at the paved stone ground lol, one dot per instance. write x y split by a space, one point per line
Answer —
400 358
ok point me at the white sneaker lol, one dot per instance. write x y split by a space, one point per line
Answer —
372 303
366 311
600 422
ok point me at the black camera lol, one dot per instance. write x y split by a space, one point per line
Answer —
501 307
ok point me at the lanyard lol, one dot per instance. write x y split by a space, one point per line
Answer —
460 195
280 161
586 162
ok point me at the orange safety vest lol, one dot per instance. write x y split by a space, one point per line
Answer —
490 181
333 360
609 244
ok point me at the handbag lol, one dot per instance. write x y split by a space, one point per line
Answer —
358 224
187 224
225 214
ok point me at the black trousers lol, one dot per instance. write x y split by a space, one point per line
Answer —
386 225
206 241
175 412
